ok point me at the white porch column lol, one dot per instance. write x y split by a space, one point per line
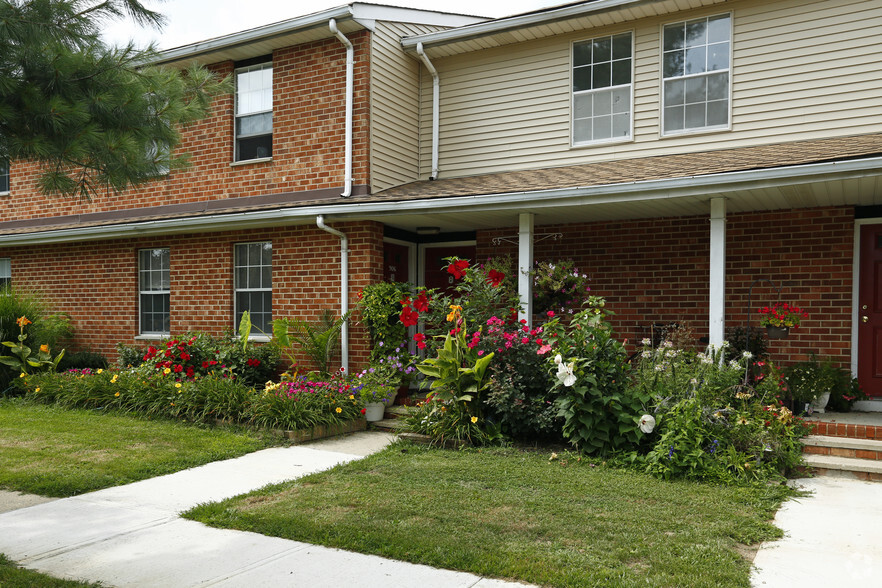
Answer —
717 300
525 264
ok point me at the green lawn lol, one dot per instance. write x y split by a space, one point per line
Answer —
61 452
513 514
12 576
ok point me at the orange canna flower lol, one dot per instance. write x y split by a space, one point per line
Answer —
22 321
44 348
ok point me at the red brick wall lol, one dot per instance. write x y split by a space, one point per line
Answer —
309 85
656 271
97 282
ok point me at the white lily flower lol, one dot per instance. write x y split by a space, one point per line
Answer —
647 423
565 374
557 359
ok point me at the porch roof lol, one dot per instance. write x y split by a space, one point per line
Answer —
823 172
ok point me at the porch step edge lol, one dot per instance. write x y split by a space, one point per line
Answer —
843 442
844 464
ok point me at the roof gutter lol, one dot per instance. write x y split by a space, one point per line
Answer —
350 62
436 107
264 33
344 288
516 22
695 186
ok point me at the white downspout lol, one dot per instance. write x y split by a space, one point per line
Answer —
350 62
436 106
344 287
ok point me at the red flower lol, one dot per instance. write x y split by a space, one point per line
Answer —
550 314
458 268
495 278
205 365
179 368
421 304
420 340
455 332
363 411
185 356
408 317
253 362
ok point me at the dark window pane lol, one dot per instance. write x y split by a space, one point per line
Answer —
695 116
621 72
581 79
718 56
254 148
718 113
581 54
673 119
601 76
673 64
674 92
621 46
718 86
696 90
602 50
674 36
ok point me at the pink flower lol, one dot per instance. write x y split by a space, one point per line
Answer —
550 313
543 350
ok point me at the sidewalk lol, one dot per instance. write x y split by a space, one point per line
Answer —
831 537
131 535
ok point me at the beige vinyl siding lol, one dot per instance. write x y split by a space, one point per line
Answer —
800 70
395 106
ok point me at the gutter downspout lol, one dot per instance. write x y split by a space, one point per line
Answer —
350 63
436 106
344 288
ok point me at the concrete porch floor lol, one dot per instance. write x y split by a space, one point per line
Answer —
848 418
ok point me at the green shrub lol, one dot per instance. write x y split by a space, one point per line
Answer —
82 360
807 380
601 413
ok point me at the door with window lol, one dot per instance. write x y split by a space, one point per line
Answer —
436 275
870 311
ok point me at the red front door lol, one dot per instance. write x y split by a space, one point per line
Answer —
870 311
395 262
436 266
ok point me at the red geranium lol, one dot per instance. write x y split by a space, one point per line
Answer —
408 317
458 268
420 340
495 277
421 304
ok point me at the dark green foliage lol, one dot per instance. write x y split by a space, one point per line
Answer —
82 360
95 116
807 380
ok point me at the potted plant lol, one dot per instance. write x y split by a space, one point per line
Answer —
379 306
376 395
780 318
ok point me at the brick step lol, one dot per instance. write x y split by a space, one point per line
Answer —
867 449
848 430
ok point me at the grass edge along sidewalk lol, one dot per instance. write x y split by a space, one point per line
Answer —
515 514
59 452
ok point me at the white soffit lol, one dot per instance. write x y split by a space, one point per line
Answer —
545 23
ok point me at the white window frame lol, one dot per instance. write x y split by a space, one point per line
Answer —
5 177
264 327
250 113
5 272
164 288
687 76
575 94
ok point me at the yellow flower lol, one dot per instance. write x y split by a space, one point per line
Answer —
455 309
351 397
117 394
339 410
100 371
166 371
37 390
742 420
748 465
178 385
474 419
114 378
22 375
44 348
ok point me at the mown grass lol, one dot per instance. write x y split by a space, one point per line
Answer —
60 452
12 576
514 514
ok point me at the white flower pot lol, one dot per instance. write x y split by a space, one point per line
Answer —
373 411
820 403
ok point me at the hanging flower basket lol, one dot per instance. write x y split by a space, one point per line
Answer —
777 332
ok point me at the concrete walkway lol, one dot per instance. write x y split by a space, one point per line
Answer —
132 536
832 538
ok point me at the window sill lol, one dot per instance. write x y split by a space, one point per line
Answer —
6 193
689 132
250 161
603 143
152 337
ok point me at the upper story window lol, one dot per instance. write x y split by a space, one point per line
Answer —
5 273
154 291
4 176
602 89
254 112
696 74
253 283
